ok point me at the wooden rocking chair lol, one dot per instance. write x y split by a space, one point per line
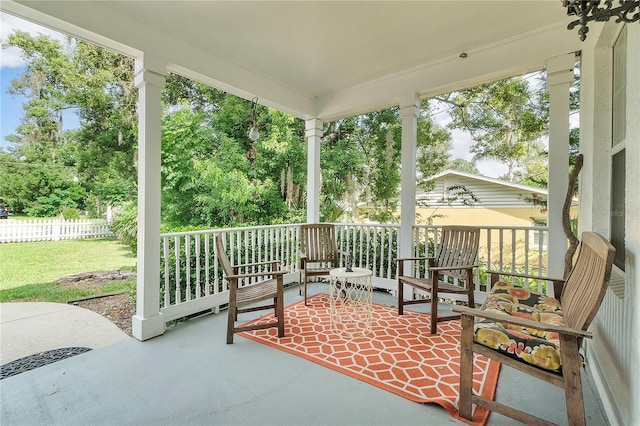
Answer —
270 288
544 338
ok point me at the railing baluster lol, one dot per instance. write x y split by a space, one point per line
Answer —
198 284
187 256
207 256
167 299
392 241
177 265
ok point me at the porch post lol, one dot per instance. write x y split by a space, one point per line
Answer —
313 133
559 81
149 79
409 110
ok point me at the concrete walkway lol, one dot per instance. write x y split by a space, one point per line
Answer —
33 327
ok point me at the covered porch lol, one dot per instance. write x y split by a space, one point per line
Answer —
321 61
191 377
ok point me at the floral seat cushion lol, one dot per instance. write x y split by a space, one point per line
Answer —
530 345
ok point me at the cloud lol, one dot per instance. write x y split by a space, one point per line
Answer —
12 57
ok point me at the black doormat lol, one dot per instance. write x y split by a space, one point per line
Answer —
38 360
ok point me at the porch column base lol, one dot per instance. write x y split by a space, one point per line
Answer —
147 328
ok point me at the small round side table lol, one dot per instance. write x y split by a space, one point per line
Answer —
351 302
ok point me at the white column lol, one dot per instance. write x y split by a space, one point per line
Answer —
313 133
409 110
149 79
559 81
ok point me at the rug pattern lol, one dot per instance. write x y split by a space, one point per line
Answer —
400 356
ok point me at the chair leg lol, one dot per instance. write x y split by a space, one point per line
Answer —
280 313
572 382
434 303
231 316
304 290
466 367
471 290
400 298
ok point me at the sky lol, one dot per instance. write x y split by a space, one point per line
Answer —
12 64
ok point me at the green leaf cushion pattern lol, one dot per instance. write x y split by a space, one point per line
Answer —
530 345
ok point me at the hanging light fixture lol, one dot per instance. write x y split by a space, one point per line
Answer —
591 10
253 132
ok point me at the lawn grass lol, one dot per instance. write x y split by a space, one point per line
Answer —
42 262
53 292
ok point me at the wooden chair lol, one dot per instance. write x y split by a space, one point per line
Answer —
455 257
318 253
239 296
575 305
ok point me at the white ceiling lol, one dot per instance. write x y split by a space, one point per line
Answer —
325 59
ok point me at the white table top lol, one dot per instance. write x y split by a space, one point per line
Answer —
357 272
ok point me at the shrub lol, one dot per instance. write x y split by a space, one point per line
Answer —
125 225
70 213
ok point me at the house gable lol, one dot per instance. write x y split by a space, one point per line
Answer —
491 193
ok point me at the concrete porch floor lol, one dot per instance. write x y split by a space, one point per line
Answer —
189 376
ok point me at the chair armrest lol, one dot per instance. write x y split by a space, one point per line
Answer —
412 258
256 274
523 322
302 255
452 268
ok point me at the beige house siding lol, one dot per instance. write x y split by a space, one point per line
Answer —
480 216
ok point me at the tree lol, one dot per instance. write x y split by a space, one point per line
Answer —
212 173
462 165
433 144
102 89
44 84
100 156
503 117
361 162
343 167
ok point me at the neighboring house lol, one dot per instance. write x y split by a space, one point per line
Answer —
498 202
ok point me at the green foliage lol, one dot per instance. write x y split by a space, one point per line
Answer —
504 118
70 213
212 174
433 145
463 166
43 83
56 202
125 225
360 163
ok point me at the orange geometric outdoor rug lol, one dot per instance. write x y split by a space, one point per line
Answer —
400 355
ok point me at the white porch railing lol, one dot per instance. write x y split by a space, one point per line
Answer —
12 230
502 248
192 279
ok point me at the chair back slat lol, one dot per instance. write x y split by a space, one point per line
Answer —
587 283
222 256
458 246
318 242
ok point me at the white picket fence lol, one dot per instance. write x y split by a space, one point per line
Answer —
12 230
